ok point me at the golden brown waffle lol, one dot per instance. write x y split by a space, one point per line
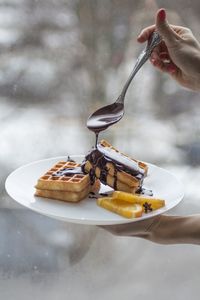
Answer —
123 177
74 183
119 180
64 195
112 182
71 188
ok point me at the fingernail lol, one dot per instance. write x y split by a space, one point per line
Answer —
162 15
171 69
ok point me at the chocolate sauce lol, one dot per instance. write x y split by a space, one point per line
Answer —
144 191
100 156
96 140
68 171
105 117
92 195
104 194
70 159
123 162
115 179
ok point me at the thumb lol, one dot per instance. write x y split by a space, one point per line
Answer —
168 34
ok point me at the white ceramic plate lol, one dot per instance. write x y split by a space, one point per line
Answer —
20 186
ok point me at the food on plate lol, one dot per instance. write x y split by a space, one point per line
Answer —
122 208
65 181
129 205
114 168
152 203
71 181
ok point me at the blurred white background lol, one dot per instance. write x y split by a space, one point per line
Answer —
59 61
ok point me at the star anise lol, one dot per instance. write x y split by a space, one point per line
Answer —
147 207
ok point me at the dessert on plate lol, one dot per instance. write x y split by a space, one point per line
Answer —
72 182
114 168
65 181
130 205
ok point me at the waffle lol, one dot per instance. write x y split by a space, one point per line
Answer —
104 164
51 181
67 187
63 195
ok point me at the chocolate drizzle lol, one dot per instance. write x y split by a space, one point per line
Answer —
68 172
92 195
144 191
100 156
122 162
105 117
70 159
115 179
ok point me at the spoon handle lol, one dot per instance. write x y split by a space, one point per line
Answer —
154 40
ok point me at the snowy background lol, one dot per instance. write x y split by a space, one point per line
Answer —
59 61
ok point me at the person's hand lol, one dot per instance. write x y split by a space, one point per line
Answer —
161 229
178 54
142 229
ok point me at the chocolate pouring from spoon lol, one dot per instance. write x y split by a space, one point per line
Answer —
111 114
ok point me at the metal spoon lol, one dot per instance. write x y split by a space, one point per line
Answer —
111 114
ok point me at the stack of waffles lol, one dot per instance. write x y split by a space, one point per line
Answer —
70 181
115 169
60 182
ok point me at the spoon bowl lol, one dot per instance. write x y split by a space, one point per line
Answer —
105 117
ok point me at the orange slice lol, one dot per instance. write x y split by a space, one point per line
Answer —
153 203
122 208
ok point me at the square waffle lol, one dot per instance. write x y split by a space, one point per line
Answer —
57 185
74 183
63 195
